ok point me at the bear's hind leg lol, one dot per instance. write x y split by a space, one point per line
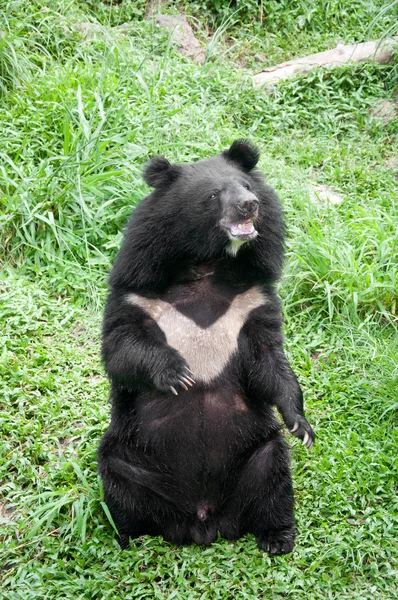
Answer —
131 511
136 508
263 498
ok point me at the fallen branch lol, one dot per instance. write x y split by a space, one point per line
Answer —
374 51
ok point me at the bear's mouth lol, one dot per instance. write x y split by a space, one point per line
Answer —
242 230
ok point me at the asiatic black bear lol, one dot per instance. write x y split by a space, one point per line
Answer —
193 347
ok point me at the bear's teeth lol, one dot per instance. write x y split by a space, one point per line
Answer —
245 227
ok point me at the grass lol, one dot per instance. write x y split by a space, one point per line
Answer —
78 118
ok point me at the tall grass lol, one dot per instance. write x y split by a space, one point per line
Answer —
343 262
81 116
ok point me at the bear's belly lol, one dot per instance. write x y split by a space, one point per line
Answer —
202 431
209 349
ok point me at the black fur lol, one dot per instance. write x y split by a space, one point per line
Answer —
212 458
160 173
243 153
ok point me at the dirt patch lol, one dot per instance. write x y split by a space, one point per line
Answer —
90 31
392 163
385 111
67 445
322 194
79 330
6 513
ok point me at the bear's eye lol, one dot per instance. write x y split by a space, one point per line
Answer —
246 186
213 196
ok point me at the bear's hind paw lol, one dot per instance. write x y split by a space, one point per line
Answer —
281 542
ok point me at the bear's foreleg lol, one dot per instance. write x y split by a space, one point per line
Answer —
270 378
134 349
287 395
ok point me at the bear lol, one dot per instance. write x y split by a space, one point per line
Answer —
193 347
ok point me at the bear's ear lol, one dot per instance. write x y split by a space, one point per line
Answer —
159 172
244 153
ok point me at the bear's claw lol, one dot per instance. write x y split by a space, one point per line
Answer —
303 430
187 380
172 374
184 382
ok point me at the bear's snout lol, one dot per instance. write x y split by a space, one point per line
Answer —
240 211
248 206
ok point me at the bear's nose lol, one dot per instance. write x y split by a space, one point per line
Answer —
248 206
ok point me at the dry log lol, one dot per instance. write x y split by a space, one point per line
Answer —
374 51
183 36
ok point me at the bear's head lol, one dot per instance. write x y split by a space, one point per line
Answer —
217 196
212 209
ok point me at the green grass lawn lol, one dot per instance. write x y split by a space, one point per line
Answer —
78 119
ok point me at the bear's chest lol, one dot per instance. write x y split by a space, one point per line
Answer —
202 324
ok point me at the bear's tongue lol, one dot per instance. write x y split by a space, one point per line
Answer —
245 228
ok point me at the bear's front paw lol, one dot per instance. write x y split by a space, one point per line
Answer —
303 430
174 373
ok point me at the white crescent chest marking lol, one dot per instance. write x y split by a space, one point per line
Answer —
207 351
